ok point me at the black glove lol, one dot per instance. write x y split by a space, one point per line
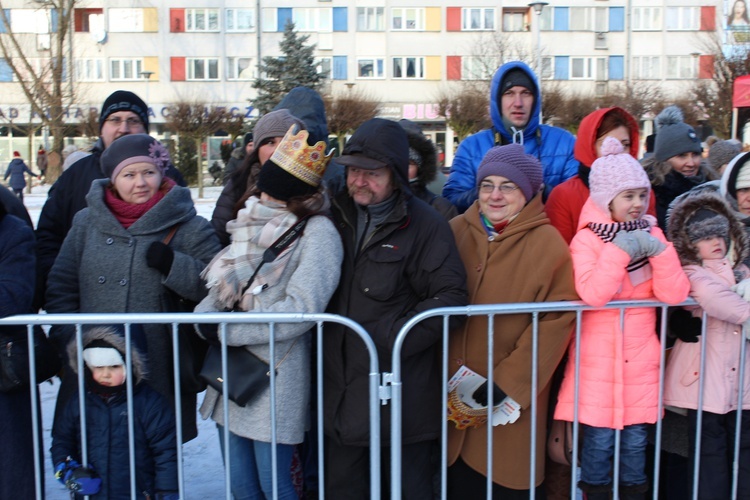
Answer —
209 332
684 326
160 257
480 395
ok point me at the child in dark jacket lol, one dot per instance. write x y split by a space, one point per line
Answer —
108 473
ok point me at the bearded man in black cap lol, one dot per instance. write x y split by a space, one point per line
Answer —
122 113
515 102
400 259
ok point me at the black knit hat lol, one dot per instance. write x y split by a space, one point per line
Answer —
124 100
247 139
517 77
706 223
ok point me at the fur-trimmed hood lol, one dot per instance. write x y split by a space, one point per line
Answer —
114 335
426 149
683 209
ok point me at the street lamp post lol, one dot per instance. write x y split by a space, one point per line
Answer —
538 6
146 75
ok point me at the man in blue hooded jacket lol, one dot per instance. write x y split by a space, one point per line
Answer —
515 101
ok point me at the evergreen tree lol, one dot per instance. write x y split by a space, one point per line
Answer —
294 68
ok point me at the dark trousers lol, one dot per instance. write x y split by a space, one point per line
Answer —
347 471
717 453
19 193
464 483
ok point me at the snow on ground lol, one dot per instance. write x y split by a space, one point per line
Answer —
203 469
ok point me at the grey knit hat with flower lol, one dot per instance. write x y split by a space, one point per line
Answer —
133 148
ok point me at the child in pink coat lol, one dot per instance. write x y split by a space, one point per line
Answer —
712 244
619 253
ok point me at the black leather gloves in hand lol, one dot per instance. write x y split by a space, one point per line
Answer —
480 395
684 326
638 244
160 257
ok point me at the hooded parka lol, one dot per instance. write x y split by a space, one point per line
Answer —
619 368
551 145
710 286
107 430
564 204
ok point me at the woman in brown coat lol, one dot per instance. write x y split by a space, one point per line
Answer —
511 254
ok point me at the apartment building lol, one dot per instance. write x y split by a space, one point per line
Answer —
403 53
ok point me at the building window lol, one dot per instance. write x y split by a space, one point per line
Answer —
407 19
473 19
202 19
30 20
41 67
370 19
548 72
313 19
125 20
240 68
515 20
408 67
125 69
646 18
646 68
682 67
588 68
89 70
83 20
324 65
477 68
370 67
240 19
683 18
202 68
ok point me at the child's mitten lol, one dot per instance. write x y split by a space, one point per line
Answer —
743 289
79 479
683 325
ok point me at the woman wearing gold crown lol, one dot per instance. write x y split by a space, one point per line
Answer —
300 279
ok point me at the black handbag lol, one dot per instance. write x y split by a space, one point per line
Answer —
192 348
14 360
248 374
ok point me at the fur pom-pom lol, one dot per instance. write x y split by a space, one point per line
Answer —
612 146
671 115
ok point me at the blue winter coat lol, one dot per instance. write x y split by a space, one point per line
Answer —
107 429
16 169
553 146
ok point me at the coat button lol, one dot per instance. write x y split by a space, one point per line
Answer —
101 280
110 241
366 290
479 268
130 242
123 282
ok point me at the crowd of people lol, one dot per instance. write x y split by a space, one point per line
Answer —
529 213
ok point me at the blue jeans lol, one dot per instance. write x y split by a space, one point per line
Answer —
251 468
599 447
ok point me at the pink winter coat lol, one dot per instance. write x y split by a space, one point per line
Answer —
619 370
710 287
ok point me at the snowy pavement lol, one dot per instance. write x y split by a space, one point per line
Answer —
203 469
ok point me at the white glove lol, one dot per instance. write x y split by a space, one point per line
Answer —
743 289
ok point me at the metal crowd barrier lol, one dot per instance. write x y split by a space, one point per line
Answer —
389 392
535 310
223 319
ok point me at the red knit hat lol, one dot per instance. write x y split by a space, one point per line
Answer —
16 154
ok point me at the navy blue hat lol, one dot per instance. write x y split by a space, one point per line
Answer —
124 100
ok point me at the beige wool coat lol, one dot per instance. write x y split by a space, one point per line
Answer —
528 262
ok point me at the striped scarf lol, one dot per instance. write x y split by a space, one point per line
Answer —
639 270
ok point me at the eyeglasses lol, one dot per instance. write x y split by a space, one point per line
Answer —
117 121
489 188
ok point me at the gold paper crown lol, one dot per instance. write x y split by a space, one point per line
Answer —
307 163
